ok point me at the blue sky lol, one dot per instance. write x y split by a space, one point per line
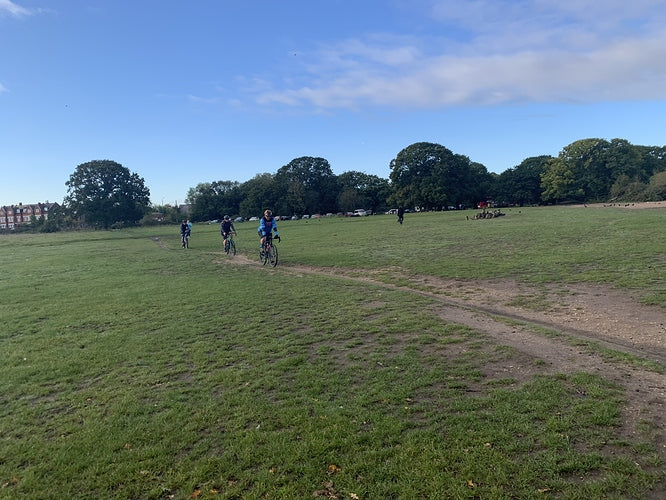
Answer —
183 92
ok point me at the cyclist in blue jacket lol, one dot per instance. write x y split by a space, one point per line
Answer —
266 225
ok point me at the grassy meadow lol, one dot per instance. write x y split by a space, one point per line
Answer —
133 368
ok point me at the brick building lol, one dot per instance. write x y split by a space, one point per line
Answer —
14 215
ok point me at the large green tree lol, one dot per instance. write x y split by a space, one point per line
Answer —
597 170
430 176
307 185
102 193
657 188
258 194
521 185
361 190
212 200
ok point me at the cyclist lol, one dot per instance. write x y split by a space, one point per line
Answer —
226 228
266 225
184 232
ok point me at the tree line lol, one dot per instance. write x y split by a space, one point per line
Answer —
428 176
423 176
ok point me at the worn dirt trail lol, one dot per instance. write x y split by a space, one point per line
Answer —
516 315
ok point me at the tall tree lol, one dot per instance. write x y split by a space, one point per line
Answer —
361 190
307 185
258 194
101 193
212 200
653 160
430 176
521 185
596 169
657 188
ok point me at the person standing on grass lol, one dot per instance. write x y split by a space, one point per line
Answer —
226 227
401 214
266 225
184 232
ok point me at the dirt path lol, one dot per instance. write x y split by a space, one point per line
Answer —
516 314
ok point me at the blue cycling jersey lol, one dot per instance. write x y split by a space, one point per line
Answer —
266 225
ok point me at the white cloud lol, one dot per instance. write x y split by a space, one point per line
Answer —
503 51
11 8
202 100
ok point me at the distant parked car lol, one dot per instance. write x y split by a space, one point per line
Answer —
305 217
294 217
253 219
359 212
239 219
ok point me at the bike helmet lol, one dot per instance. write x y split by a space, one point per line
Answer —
226 217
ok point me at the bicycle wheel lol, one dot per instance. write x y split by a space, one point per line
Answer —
232 247
273 256
226 245
263 256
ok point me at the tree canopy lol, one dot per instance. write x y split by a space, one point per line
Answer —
102 193
424 175
430 176
361 190
308 185
521 185
210 199
591 169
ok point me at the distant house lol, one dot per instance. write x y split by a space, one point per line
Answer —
13 216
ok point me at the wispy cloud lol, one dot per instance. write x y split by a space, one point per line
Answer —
488 52
202 100
7 7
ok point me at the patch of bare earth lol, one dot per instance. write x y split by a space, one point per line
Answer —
520 316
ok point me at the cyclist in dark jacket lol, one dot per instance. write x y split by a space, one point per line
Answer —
226 227
184 232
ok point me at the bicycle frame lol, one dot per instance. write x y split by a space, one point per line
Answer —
269 251
229 244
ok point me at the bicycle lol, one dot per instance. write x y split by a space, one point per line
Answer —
269 252
230 244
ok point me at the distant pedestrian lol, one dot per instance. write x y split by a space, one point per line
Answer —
401 214
184 233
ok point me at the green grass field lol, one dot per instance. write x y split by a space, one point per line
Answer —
133 368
